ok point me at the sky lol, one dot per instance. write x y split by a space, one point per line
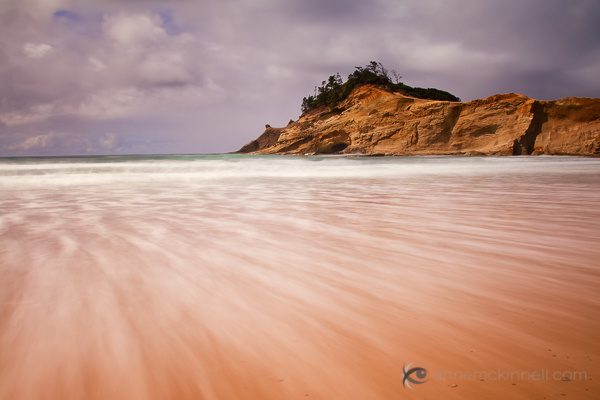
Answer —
88 77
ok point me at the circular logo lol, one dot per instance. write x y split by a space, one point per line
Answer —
414 375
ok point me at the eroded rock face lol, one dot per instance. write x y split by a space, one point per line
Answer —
372 121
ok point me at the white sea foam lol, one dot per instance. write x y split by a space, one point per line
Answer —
206 170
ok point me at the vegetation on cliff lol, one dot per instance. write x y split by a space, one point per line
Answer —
334 90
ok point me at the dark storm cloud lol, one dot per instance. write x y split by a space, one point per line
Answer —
333 11
95 76
511 39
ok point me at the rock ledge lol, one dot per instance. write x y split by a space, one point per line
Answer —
372 121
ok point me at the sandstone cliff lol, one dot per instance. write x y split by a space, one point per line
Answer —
375 122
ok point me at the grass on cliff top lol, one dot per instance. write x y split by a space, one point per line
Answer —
334 90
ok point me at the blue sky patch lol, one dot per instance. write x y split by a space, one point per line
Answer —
168 22
69 15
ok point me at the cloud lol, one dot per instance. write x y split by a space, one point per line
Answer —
123 71
109 141
140 44
37 142
136 32
36 50
96 64
68 142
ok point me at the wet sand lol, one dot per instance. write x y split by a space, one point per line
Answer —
305 287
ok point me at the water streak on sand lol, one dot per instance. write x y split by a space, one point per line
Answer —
230 277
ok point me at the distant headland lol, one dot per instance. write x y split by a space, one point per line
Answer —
373 113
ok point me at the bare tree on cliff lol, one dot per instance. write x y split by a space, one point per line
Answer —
383 71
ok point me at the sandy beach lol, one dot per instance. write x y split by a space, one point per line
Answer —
289 278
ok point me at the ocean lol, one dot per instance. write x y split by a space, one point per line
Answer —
281 277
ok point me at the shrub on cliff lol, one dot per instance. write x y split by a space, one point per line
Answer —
334 90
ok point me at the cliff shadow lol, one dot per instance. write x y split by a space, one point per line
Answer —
525 144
